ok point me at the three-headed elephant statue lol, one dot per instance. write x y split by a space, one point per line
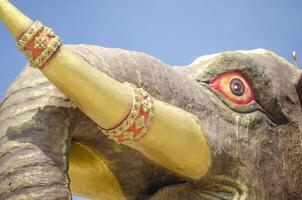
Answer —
114 124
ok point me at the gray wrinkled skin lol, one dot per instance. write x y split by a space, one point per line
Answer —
257 145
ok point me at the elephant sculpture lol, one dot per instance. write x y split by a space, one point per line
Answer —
227 126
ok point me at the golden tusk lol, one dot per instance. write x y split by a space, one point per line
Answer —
14 19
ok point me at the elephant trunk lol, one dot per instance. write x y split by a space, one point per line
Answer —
34 141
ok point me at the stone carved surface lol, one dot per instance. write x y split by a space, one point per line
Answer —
260 146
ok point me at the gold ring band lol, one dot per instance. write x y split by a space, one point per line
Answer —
137 123
43 40
29 35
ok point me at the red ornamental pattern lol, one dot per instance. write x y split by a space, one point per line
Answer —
38 44
137 123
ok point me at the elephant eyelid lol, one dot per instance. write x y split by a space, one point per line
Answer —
234 86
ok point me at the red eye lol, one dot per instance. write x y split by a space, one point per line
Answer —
235 87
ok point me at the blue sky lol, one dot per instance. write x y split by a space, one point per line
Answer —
176 32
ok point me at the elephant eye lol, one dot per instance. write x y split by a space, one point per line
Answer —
235 87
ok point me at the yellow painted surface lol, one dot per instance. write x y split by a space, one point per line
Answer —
90 177
15 21
105 100
177 141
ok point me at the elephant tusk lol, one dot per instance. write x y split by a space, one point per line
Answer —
175 139
16 21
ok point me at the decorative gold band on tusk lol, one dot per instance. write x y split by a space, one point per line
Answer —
38 44
136 125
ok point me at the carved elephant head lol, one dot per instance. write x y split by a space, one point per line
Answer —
246 101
